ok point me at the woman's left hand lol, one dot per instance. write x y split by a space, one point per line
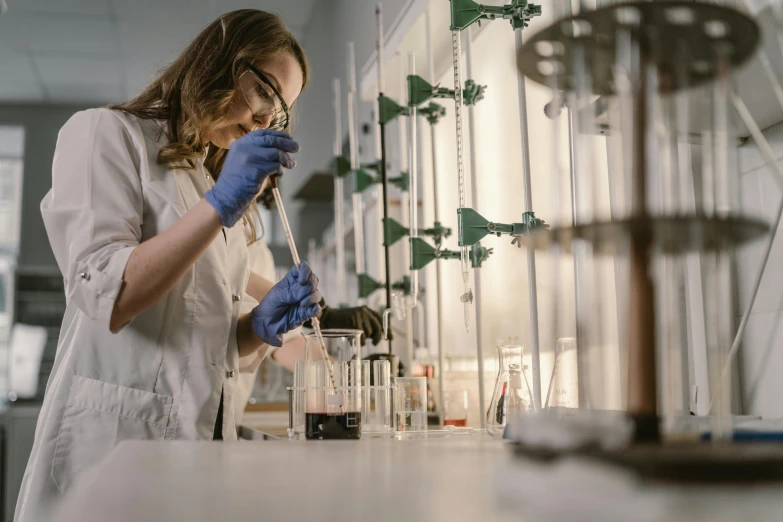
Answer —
288 304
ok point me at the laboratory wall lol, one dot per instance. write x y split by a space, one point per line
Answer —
760 356
331 25
41 124
502 292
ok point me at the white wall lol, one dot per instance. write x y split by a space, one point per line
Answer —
504 297
761 357
332 25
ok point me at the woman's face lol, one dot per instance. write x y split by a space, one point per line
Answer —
284 72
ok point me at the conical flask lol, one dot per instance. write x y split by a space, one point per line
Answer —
563 389
511 394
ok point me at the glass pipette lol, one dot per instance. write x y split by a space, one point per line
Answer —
295 256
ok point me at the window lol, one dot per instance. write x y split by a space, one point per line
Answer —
11 164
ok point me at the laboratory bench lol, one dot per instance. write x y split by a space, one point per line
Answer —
454 479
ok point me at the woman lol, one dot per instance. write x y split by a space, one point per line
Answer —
142 218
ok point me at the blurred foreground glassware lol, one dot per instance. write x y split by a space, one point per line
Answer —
512 393
410 403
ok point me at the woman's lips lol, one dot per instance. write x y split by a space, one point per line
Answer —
242 129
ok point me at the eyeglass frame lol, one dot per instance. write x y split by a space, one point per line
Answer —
258 74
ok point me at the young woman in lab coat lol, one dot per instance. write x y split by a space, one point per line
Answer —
145 218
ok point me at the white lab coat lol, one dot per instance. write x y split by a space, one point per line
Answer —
161 376
263 264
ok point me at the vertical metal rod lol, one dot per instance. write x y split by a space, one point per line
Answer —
413 189
474 198
581 374
436 213
531 256
642 374
356 197
384 178
338 197
438 297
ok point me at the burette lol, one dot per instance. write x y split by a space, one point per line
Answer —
316 325
467 296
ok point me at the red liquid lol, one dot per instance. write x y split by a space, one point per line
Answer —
333 426
460 423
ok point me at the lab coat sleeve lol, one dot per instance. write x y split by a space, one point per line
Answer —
250 363
94 210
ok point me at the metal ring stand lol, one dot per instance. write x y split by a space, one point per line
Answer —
716 37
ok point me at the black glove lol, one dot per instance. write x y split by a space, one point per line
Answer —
358 318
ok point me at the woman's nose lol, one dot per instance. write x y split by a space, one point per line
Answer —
263 121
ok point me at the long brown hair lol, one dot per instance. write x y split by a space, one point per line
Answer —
194 93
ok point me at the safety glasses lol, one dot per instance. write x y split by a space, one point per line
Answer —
263 98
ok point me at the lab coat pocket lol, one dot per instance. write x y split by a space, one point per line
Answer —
97 417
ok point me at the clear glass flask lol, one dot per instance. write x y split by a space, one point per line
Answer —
563 389
511 395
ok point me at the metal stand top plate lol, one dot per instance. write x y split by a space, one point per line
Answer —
669 234
687 41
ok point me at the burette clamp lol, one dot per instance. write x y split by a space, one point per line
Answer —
530 223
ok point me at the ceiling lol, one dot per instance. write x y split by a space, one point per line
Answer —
101 51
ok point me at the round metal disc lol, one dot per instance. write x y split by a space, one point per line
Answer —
669 235
685 40
685 463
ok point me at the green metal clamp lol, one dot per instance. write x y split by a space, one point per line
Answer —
433 112
390 109
466 12
342 167
421 91
473 92
438 232
374 165
422 253
368 285
479 254
402 181
393 231
473 227
364 180
531 224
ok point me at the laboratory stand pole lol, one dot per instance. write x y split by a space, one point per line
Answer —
531 256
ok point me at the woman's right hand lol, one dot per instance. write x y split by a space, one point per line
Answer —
251 159
287 305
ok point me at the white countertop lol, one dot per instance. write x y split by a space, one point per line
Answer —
373 480
457 479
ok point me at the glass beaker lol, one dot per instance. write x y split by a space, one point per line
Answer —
341 344
511 395
410 403
376 397
563 389
455 408
332 394
333 400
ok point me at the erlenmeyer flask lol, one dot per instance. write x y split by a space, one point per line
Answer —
512 392
564 383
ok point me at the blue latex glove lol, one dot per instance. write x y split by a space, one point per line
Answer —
288 304
250 160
